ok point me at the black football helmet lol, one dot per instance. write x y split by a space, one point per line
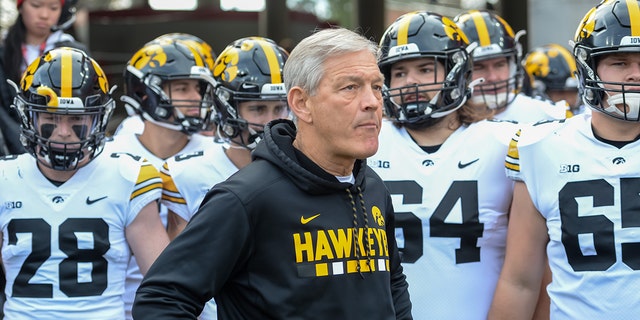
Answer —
64 85
153 66
248 69
494 38
610 27
552 67
425 35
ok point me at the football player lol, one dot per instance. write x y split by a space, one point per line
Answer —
134 123
552 69
577 203
442 162
496 59
170 86
250 93
72 217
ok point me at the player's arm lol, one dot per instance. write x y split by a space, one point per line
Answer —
174 201
175 224
525 261
146 236
544 303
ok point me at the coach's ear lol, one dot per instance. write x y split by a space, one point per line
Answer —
298 103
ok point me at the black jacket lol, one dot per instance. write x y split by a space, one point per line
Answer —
9 119
275 241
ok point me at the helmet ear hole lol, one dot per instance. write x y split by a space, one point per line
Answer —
230 131
161 112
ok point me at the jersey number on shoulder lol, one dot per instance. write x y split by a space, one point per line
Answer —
41 240
599 226
468 231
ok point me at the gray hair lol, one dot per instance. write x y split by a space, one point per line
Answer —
304 67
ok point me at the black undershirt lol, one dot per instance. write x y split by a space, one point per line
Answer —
617 144
427 149
430 149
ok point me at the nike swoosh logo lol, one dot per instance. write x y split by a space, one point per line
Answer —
464 165
92 201
304 220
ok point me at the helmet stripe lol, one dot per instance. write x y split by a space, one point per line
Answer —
66 76
634 17
403 29
506 26
272 60
481 28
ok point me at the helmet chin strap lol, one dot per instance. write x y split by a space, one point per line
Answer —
252 140
175 127
630 101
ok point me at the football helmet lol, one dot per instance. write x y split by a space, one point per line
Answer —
154 66
64 87
609 27
425 35
552 67
248 69
200 45
494 38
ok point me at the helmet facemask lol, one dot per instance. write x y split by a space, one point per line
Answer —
612 98
597 37
499 94
232 126
182 111
417 105
85 126
430 37
64 103
494 38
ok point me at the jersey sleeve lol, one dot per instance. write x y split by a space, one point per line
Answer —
147 188
171 196
512 161
527 137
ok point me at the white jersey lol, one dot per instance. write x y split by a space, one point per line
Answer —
184 188
130 125
129 143
588 192
451 215
524 109
64 248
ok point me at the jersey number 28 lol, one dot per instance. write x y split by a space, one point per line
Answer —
40 232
